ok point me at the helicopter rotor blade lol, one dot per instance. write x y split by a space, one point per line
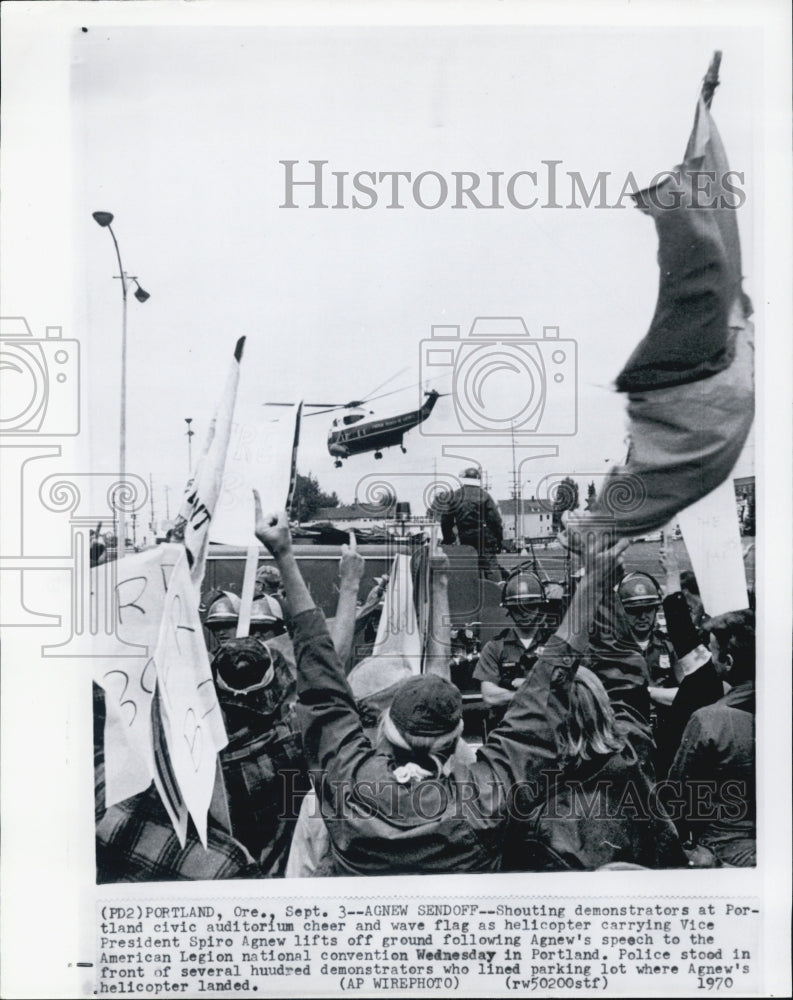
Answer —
330 406
371 394
328 409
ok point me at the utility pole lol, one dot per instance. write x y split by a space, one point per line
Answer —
516 496
153 524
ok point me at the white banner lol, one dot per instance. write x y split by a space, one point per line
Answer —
259 457
713 539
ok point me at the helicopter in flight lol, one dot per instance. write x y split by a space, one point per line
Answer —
354 434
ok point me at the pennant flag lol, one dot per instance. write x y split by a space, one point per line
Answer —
398 631
690 380
397 651
199 504
290 496
192 722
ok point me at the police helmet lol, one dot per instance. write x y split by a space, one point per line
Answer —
266 613
224 610
639 590
522 588
470 473
268 578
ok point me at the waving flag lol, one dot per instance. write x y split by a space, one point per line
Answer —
690 380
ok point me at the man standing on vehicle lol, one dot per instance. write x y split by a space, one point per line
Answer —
472 514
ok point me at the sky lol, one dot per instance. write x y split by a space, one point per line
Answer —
179 132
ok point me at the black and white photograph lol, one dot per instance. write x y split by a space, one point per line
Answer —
396 538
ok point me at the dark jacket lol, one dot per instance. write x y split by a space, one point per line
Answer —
264 770
716 768
473 513
453 823
699 687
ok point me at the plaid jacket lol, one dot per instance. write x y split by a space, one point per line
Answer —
135 842
265 777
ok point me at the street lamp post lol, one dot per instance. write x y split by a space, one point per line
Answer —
104 219
190 433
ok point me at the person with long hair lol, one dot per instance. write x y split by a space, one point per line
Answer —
598 807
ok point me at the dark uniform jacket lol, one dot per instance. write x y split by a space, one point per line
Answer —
503 659
380 825
474 514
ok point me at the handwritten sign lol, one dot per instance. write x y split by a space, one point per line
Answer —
137 598
191 716
169 685
713 539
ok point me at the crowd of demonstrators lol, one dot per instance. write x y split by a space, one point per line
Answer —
611 742
404 802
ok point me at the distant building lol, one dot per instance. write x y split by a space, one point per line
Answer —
531 518
369 515
355 514
744 501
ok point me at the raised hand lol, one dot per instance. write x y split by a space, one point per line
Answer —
352 563
669 561
272 529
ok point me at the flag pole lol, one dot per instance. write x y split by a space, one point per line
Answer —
711 80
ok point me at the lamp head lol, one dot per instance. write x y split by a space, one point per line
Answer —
140 294
103 218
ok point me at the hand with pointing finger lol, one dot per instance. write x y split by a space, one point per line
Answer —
352 564
272 529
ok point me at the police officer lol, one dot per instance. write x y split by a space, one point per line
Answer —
505 661
267 618
640 596
473 515
221 620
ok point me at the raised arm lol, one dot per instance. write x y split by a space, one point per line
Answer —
333 739
272 530
439 648
342 629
